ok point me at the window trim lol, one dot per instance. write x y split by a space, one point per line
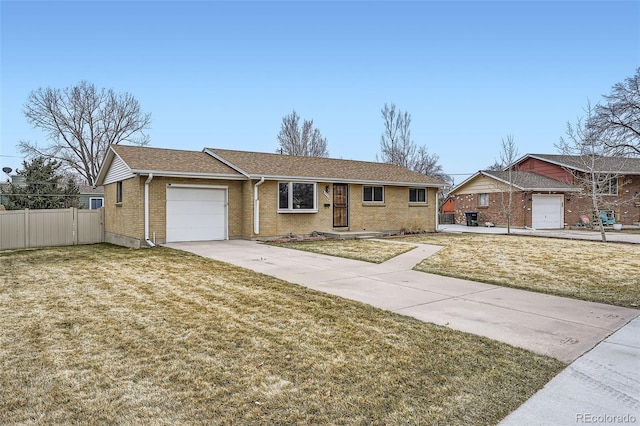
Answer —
613 187
417 200
290 208
95 198
482 195
373 200
119 192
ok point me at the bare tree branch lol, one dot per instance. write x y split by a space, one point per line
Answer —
618 119
81 122
508 156
397 147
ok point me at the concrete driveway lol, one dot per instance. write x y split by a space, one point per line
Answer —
549 325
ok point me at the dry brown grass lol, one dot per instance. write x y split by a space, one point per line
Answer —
593 271
102 334
366 250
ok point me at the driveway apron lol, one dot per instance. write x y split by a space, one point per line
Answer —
549 325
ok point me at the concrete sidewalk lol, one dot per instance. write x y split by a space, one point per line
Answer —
569 234
601 387
549 325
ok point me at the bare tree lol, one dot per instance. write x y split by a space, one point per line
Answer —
305 141
81 122
397 147
618 120
508 156
427 164
595 171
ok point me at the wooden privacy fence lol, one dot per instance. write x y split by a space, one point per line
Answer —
55 227
446 219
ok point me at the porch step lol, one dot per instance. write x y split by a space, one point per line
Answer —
352 235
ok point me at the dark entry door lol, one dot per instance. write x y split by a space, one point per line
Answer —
340 205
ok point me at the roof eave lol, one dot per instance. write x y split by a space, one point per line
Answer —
106 163
464 182
169 173
344 180
553 189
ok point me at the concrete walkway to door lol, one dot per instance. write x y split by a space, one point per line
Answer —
549 325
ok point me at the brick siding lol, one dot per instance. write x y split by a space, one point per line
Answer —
396 213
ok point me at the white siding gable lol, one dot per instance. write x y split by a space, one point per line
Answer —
118 170
483 185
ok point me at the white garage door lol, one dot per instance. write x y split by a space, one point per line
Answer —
196 214
547 211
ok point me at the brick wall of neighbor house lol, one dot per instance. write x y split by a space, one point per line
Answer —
626 205
495 212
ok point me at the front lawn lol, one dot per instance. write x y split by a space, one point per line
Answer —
366 250
103 334
587 270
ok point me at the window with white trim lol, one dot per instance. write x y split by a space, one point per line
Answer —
373 194
119 192
95 202
297 197
483 200
417 195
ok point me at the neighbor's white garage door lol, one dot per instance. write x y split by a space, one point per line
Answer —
547 211
196 213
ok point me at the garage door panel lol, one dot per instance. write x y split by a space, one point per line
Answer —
192 206
196 214
199 194
193 221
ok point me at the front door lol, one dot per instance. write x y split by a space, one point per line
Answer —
340 205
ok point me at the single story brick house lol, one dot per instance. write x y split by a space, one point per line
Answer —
546 194
155 195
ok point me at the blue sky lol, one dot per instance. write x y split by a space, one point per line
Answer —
223 74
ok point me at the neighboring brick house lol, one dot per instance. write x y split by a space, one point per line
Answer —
164 195
545 193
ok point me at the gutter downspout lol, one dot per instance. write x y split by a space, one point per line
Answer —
437 221
146 211
256 207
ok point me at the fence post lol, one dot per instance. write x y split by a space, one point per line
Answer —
74 225
102 224
26 229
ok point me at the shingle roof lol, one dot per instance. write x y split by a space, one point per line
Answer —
171 160
619 165
528 181
213 162
258 164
